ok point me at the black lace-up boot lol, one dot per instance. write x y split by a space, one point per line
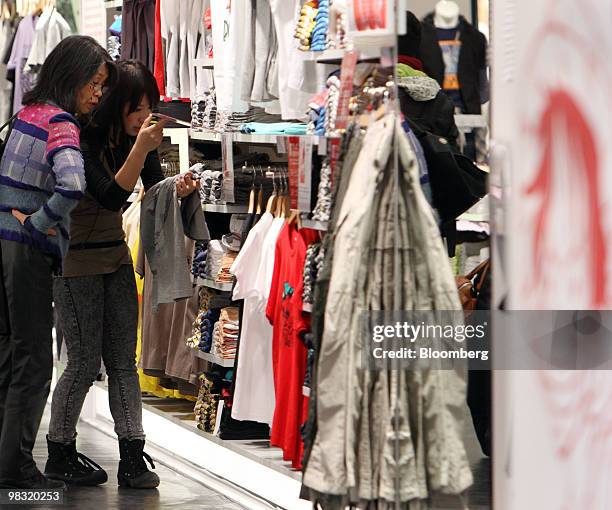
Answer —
133 471
72 467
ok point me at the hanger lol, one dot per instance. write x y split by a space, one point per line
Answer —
251 209
287 200
295 216
260 194
278 212
271 205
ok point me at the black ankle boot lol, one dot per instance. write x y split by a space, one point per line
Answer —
133 471
74 468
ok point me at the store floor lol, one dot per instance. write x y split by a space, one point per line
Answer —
175 491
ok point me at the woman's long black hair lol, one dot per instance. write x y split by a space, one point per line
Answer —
134 81
71 65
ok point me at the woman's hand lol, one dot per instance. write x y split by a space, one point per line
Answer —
23 217
186 184
150 135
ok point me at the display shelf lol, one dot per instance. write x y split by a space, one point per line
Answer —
225 208
335 56
225 363
207 63
315 225
212 284
113 4
211 136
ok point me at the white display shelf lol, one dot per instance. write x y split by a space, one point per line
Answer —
113 4
207 63
212 284
211 136
225 363
315 225
336 56
225 208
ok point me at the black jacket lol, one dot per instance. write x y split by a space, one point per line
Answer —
436 116
472 60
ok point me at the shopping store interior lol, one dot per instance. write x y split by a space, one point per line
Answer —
347 165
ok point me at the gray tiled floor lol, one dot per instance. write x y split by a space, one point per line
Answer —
175 491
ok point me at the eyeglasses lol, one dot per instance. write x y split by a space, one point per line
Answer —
99 87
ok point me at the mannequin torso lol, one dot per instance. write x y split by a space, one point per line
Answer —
446 14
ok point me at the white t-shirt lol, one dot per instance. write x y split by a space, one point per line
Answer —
254 392
228 20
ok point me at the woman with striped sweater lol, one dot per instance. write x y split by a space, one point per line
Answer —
41 180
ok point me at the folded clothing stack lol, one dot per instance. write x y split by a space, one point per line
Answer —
114 47
313 264
198 267
206 406
208 319
274 128
319 39
210 304
306 24
322 210
204 111
331 104
225 334
224 275
216 250
231 121
211 186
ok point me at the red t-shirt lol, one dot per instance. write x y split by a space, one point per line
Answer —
285 313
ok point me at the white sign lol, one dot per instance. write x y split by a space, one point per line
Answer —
551 115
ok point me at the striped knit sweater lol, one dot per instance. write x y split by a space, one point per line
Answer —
41 173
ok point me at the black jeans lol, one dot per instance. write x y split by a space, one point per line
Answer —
26 359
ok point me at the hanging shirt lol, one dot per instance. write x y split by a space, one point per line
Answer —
298 80
51 28
450 45
285 313
19 55
254 392
228 26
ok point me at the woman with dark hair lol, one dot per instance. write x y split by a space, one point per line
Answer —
41 180
96 297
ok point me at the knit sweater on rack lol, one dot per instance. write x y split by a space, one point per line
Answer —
42 175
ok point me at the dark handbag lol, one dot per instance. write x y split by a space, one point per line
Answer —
456 182
3 141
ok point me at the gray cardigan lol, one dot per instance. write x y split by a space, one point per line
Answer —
164 223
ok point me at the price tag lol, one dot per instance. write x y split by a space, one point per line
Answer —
322 150
293 161
305 173
334 154
227 156
281 145
347 72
